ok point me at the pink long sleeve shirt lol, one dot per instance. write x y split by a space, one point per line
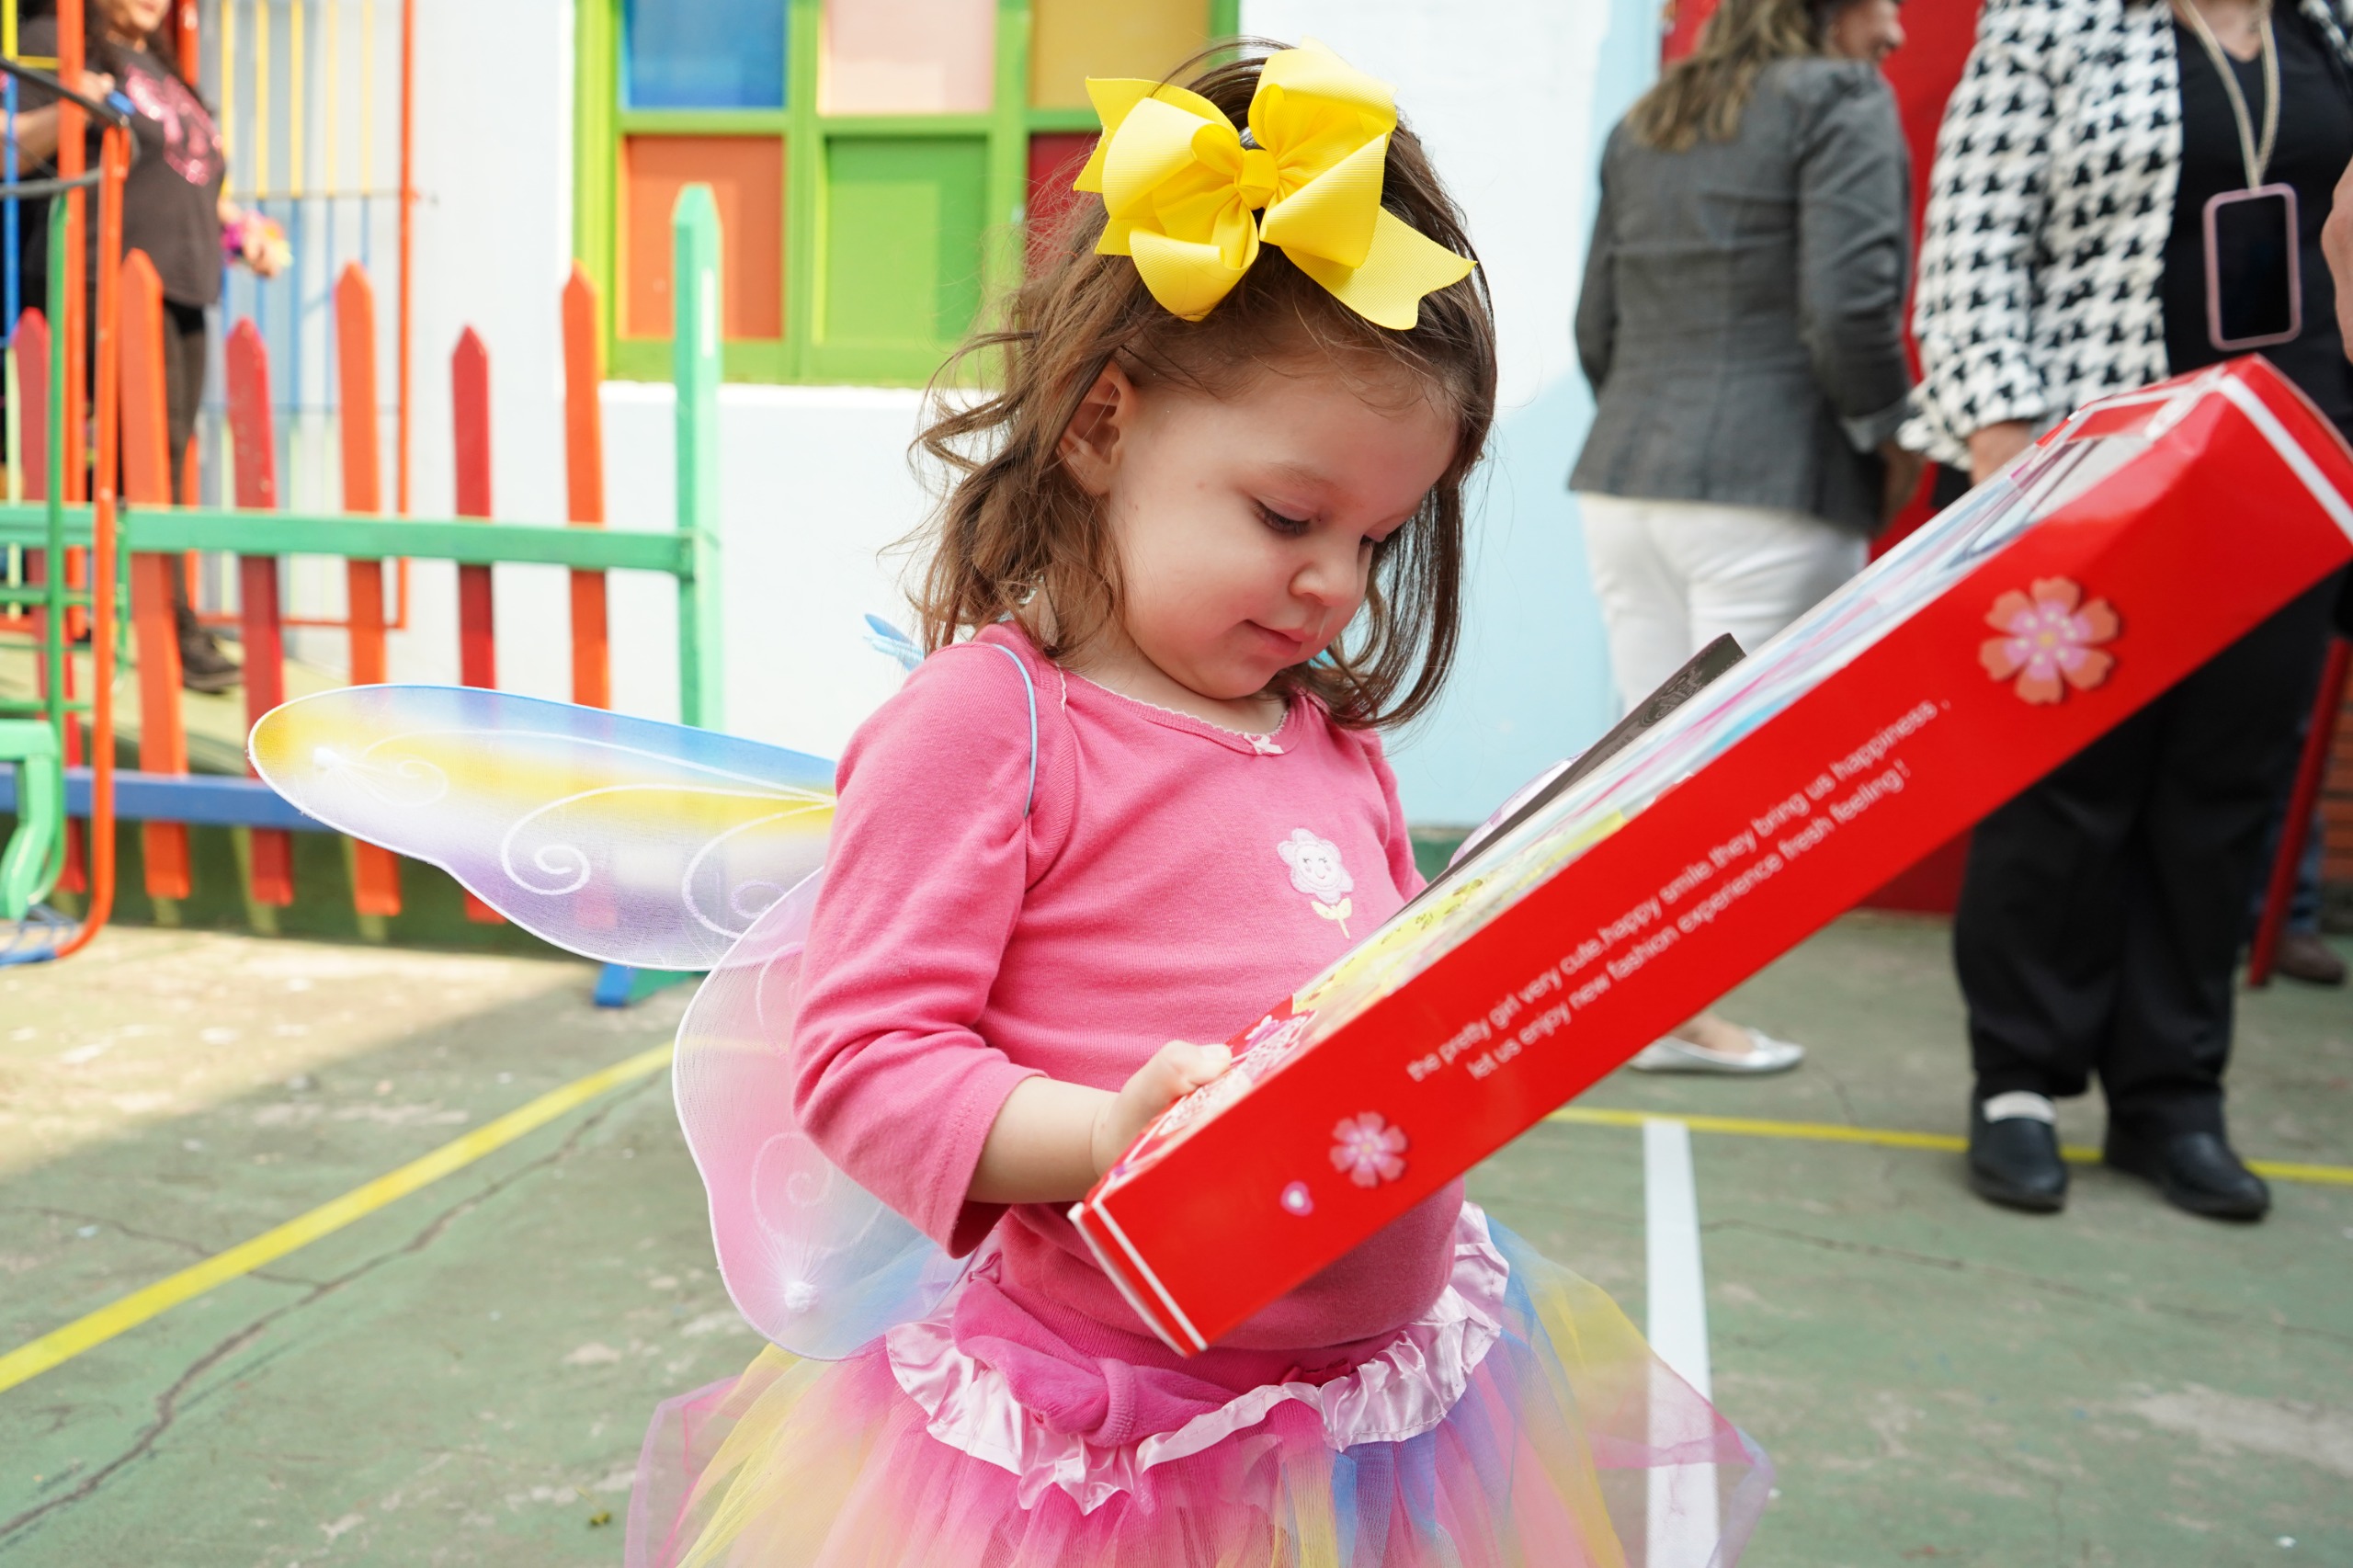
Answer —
1171 880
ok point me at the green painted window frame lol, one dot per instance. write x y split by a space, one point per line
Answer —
802 356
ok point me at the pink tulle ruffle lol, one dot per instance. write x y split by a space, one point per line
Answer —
1521 1422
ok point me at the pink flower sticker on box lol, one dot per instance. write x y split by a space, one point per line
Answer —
1367 1150
2050 640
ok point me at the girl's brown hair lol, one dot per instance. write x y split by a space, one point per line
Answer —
1702 94
1018 539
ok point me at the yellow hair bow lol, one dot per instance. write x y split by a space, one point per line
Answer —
1191 203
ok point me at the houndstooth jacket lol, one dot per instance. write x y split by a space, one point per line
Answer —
2043 257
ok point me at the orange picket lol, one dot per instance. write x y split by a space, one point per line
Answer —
147 481
246 361
584 474
376 888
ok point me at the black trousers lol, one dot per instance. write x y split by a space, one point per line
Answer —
2103 910
184 351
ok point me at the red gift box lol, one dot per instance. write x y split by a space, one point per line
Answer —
2123 550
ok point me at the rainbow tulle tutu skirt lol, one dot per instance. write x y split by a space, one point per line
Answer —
1520 1421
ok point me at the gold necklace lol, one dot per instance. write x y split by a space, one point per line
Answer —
2257 158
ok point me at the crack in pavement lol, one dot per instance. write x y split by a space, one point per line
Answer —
2208 1315
168 1403
195 1249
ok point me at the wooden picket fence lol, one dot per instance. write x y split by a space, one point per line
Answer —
161 793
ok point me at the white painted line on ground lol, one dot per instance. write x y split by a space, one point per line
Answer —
1683 1520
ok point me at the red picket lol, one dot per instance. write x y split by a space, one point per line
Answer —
261 626
469 418
72 158
376 888
477 629
583 474
147 481
31 343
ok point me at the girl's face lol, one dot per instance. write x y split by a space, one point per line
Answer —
1245 523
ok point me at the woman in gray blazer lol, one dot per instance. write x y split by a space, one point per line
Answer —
1742 326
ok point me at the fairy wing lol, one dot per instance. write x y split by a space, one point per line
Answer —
648 844
622 839
814 1261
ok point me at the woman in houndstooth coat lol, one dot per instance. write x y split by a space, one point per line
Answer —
2063 258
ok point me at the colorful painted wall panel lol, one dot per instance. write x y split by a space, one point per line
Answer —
906 57
746 177
903 240
1077 39
702 54
1055 158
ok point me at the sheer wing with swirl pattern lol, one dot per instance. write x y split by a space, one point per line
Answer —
657 845
622 839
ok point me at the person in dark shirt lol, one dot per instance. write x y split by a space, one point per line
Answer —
173 209
2105 906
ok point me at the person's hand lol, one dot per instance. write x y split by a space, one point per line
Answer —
258 252
1902 469
260 246
1992 447
2336 244
95 85
1175 1071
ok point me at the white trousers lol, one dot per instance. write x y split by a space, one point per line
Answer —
1674 575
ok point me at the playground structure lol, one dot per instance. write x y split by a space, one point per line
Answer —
56 790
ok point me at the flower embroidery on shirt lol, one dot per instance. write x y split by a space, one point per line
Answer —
1366 1149
2050 640
1316 870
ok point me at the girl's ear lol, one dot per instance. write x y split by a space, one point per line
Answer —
1091 444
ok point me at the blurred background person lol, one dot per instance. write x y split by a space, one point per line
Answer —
2066 256
172 208
1742 326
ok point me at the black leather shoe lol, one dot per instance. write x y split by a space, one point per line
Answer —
2015 1162
2195 1171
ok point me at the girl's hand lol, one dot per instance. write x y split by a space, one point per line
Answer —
1052 1141
1175 1071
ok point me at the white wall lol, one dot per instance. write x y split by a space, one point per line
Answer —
494 246
815 488
1512 97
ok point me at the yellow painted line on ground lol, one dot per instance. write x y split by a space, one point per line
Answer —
1894 1138
31 1360
59 1345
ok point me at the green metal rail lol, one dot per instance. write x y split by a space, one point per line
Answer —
468 540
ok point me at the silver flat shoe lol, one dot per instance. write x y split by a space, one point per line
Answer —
1673 1055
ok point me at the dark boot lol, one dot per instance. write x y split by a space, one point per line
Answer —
2303 955
203 666
2195 1171
2013 1159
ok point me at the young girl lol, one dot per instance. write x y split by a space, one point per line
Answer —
1204 543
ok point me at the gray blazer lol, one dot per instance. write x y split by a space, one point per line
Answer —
1742 320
